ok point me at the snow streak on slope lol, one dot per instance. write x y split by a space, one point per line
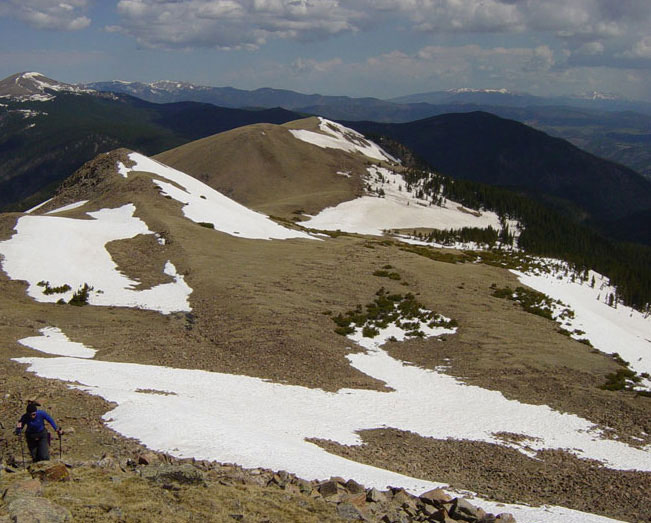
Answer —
68 207
54 341
621 330
66 251
397 209
203 204
336 136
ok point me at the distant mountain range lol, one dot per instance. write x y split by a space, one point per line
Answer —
42 142
607 126
49 129
166 91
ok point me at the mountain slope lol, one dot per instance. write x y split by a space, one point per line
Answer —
34 87
483 147
199 306
43 142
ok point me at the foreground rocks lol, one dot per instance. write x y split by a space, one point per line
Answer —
25 492
351 500
23 499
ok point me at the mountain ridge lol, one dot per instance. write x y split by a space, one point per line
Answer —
262 325
485 148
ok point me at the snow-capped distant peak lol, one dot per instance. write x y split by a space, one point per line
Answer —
596 95
460 90
34 87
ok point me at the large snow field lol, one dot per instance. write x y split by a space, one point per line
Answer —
397 209
336 136
621 330
256 423
203 204
67 251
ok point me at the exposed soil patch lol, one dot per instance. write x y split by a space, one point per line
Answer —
504 474
142 259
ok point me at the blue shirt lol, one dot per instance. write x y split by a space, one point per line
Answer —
37 424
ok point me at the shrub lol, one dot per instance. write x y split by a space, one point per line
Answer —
370 332
345 331
207 225
80 297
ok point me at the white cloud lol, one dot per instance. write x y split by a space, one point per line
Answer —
581 25
591 49
45 14
230 24
641 49
309 65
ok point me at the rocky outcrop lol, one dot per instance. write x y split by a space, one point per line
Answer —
25 504
350 499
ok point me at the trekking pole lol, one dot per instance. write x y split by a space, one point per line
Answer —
22 451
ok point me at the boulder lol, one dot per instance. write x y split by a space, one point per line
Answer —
184 474
375 496
462 509
147 458
353 487
505 517
41 510
347 510
400 496
30 488
435 497
49 471
329 488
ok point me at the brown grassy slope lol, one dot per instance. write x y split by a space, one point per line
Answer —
259 309
266 168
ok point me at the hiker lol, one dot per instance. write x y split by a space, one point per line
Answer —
37 436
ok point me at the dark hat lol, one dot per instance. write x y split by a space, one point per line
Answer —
31 408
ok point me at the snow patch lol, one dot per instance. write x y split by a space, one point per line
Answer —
396 209
621 330
336 136
69 207
203 204
29 211
75 254
272 437
54 341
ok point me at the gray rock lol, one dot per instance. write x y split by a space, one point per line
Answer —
435 497
462 509
30 488
37 510
184 474
375 496
329 488
353 487
349 511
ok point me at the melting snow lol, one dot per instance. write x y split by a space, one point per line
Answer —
53 341
38 206
621 330
398 209
336 136
76 254
276 438
203 204
68 207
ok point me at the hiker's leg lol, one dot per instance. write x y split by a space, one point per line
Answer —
43 449
32 445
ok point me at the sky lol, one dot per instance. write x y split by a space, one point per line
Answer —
380 48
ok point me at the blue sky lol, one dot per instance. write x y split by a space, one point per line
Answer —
381 48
